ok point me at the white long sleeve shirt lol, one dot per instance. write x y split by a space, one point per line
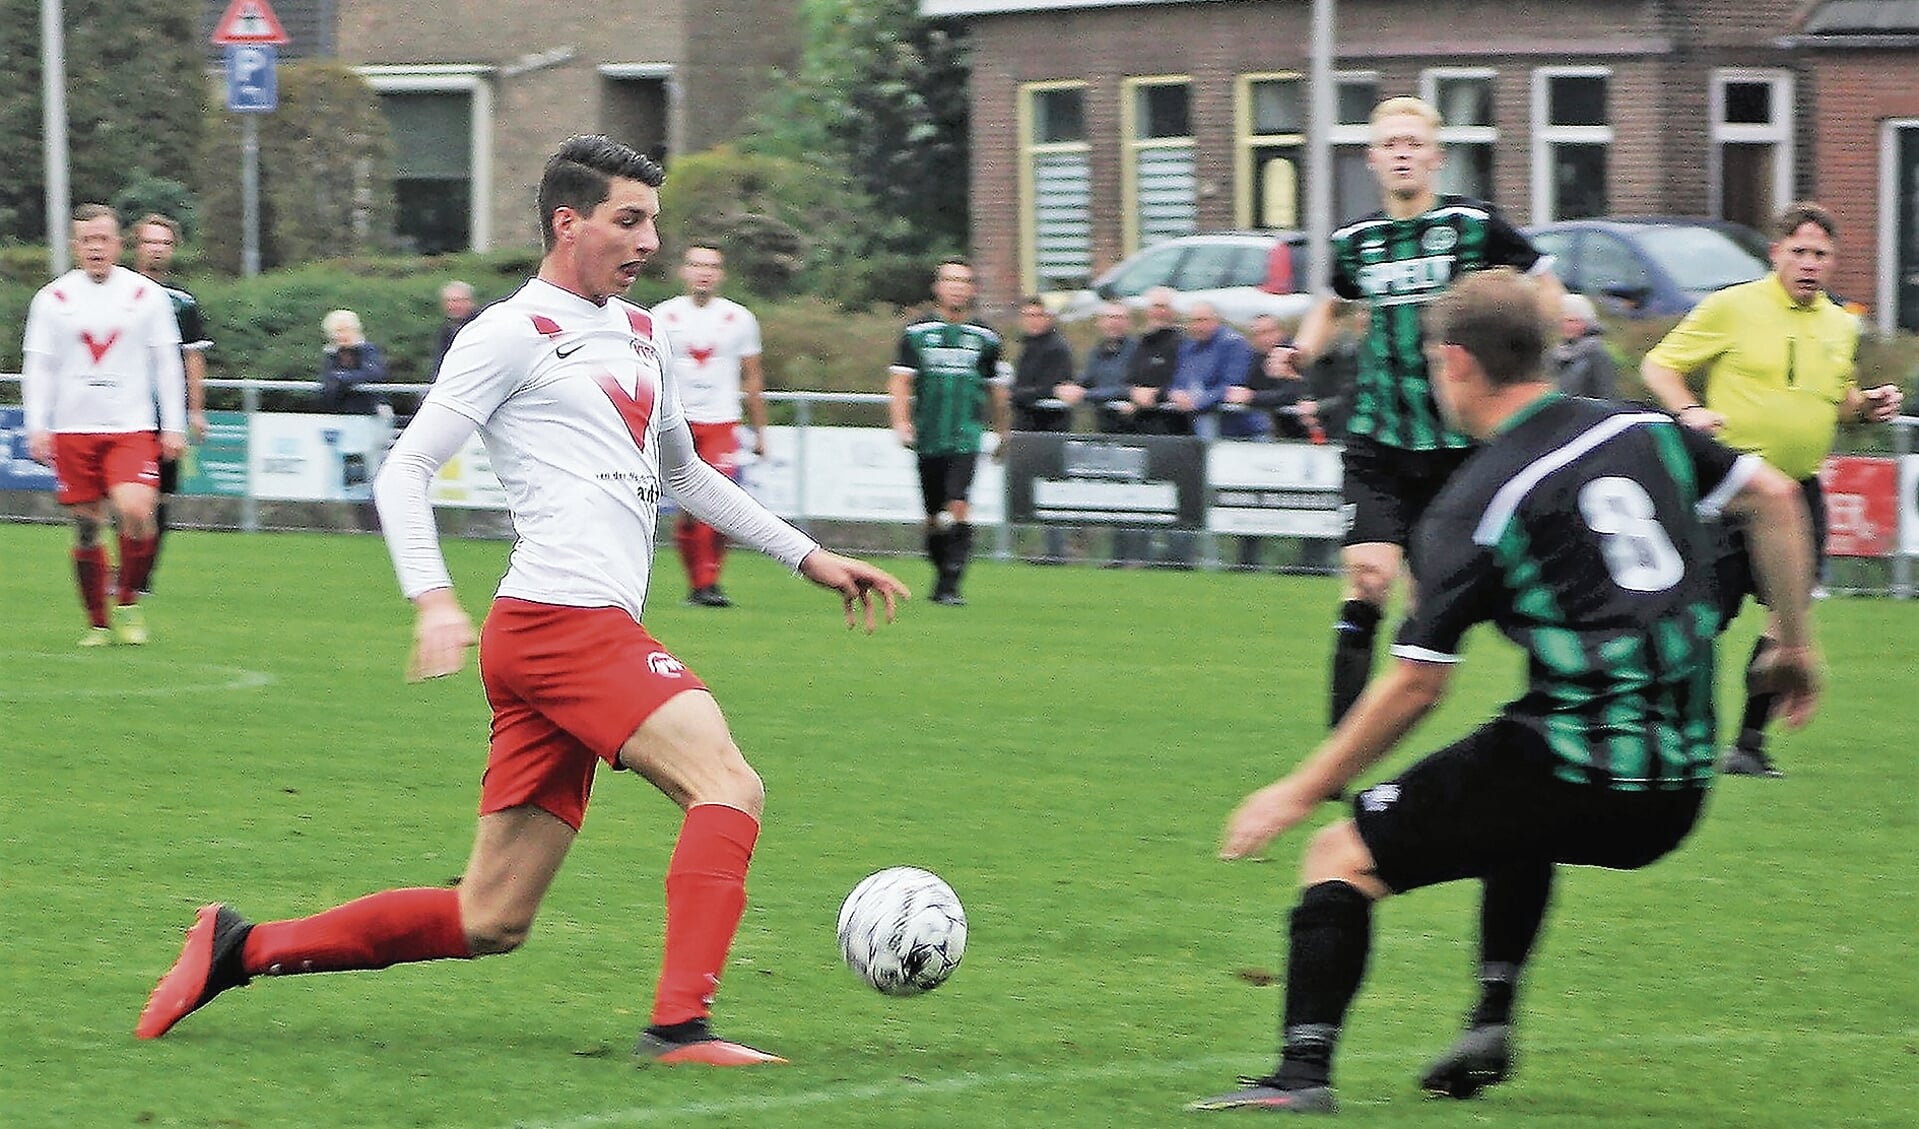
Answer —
584 428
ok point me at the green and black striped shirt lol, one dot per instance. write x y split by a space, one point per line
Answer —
1577 532
1396 267
953 365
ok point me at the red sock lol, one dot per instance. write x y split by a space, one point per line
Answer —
686 535
715 552
136 564
90 573
705 898
391 927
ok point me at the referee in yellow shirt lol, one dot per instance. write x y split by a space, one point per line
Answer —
1779 358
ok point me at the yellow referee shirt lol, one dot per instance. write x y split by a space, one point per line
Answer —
1779 370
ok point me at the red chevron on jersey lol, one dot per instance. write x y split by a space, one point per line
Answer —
98 348
701 355
637 412
546 325
642 324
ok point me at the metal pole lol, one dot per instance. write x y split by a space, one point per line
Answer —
1902 563
53 130
250 195
1319 148
250 505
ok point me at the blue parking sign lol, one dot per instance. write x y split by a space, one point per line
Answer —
253 85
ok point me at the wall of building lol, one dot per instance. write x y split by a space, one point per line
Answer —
1852 101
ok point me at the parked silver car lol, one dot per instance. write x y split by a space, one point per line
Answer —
1242 273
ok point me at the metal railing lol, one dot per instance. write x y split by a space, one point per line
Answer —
805 404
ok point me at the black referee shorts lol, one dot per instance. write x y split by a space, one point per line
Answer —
1732 566
945 478
1490 801
1388 489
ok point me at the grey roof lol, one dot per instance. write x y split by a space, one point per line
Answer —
1864 17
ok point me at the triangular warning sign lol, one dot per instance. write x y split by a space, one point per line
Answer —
250 21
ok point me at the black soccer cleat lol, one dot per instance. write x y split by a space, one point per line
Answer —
1748 762
1265 1094
1482 1057
708 597
209 964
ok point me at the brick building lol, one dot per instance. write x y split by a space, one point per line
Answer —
478 97
1102 125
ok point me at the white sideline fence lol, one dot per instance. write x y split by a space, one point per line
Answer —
1189 497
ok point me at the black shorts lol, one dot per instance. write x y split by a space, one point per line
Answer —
1491 800
1387 489
1732 565
945 478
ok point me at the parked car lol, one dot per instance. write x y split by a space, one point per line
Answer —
1242 273
1650 266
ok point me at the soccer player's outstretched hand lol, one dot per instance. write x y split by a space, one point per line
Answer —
857 583
441 635
1262 816
1793 674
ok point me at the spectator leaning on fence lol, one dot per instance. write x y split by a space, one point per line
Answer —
349 361
1778 357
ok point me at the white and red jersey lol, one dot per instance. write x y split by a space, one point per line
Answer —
708 344
584 429
103 357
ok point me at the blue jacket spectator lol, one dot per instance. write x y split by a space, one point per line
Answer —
350 361
1212 358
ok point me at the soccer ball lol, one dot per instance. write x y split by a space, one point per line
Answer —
902 930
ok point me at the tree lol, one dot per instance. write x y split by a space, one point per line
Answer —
881 100
326 171
135 85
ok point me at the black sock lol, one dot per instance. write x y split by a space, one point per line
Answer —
1352 654
1512 909
1759 704
690 1031
1331 933
959 551
938 542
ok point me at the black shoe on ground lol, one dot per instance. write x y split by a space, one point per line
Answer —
949 599
1264 1094
1482 1057
209 963
1748 762
708 597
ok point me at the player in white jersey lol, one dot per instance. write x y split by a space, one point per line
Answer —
568 387
102 375
716 358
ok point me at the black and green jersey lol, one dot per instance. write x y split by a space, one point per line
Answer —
186 313
1396 267
953 364
1577 532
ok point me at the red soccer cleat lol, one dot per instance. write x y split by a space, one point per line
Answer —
207 967
705 1052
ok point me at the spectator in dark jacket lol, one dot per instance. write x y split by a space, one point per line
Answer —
1107 363
349 361
1155 360
1044 372
1583 364
1272 388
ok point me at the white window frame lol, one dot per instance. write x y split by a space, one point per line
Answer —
1450 134
1888 249
1545 137
1357 134
1245 140
475 81
1028 194
1777 133
1132 146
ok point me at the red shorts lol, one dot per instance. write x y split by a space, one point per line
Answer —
718 445
568 686
87 464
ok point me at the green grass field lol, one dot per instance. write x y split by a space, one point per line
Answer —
1063 752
